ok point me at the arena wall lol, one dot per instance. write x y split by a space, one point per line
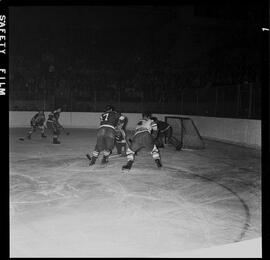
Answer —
238 131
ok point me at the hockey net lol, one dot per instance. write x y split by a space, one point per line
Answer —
186 132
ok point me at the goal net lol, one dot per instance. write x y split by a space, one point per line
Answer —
186 132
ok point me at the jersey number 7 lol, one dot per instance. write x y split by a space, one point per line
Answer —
105 117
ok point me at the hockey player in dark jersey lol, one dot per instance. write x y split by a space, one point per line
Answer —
165 131
54 125
37 121
120 137
106 135
145 133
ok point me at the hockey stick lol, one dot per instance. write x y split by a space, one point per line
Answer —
67 133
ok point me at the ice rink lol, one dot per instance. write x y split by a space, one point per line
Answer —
59 206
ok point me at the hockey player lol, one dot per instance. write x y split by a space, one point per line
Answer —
37 121
106 135
120 138
145 133
54 125
165 131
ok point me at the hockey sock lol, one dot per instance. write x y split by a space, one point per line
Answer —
105 157
158 163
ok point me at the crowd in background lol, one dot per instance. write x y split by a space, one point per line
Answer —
74 82
28 79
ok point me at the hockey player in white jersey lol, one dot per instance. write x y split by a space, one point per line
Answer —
145 133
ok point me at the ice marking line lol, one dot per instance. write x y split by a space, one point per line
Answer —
27 177
246 208
71 187
39 201
125 194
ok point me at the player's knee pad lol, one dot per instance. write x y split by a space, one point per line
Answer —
155 153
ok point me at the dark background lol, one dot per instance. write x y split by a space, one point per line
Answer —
197 59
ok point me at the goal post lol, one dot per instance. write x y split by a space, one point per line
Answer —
186 132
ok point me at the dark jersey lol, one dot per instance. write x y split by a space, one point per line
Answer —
162 125
109 119
38 119
53 117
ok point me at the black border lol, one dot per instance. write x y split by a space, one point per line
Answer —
4 137
4 4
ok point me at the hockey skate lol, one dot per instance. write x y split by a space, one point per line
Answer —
55 141
127 166
91 159
43 135
158 163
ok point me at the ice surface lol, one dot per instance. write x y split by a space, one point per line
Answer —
59 206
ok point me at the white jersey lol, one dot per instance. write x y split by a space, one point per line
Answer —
145 125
